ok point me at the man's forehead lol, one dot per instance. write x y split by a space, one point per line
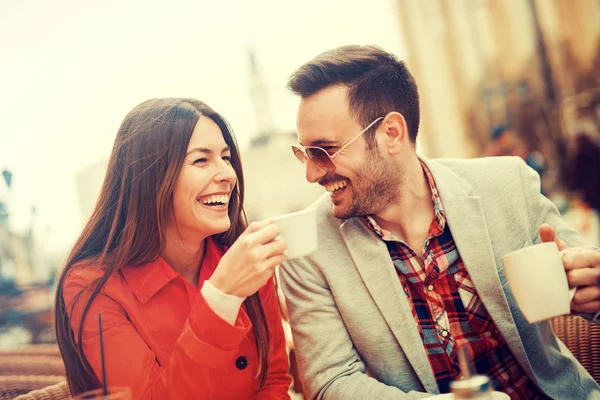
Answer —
308 118
324 117
324 130
312 113
331 99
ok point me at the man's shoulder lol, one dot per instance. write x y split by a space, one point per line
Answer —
467 165
480 171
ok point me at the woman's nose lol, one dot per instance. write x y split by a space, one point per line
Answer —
226 173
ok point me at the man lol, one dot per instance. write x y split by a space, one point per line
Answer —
408 266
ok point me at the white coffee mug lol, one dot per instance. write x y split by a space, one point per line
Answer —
299 230
538 281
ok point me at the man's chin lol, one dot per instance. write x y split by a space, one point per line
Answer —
340 211
345 211
343 207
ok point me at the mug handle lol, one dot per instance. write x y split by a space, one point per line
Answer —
572 293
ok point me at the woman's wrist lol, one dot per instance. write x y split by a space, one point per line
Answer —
225 305
220 285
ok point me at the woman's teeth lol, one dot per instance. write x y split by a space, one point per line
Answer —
215 200
335 186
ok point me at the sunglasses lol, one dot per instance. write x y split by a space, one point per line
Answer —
320 157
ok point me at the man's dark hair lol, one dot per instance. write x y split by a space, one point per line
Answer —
378 83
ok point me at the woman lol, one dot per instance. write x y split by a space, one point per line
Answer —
185 291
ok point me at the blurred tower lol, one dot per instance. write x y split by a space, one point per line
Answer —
259 92
275 182
88 183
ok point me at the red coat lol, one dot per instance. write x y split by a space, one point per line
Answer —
163 340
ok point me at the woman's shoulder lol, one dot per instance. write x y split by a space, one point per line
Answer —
84 274
85 271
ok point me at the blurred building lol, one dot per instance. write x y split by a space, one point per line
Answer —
530 64
88 183
5 183
26 277
17 250
16 257
275 181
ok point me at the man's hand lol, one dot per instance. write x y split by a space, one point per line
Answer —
583 271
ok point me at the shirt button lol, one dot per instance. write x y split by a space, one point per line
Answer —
241 363
444 333
430 288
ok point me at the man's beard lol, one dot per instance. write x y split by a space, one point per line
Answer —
376 184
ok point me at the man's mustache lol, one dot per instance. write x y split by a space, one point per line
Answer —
330 178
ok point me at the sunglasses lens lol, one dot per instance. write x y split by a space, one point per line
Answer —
300 154
320 158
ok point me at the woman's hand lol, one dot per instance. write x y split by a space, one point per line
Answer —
250 261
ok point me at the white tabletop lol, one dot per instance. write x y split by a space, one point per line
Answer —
450 396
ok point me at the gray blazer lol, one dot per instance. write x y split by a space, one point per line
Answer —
352 325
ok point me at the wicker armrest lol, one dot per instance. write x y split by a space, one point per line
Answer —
12 386
582 338
59 391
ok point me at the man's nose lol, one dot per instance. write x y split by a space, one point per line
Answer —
313 173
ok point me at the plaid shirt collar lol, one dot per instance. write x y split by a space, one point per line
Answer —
439 220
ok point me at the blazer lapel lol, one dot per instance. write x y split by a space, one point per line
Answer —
466 219
376 269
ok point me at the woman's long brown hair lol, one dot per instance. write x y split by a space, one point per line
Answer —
127 226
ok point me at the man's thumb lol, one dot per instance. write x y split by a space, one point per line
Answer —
547 234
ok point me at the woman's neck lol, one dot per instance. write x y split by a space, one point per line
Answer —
184 256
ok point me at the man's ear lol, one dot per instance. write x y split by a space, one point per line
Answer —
395 132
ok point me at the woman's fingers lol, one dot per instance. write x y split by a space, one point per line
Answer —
264 235
257 226
274 261
274 248
251 260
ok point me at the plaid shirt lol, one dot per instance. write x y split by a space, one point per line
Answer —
449 313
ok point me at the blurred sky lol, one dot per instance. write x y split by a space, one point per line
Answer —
71 70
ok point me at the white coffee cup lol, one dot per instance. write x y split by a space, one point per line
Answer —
299 230
538 280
